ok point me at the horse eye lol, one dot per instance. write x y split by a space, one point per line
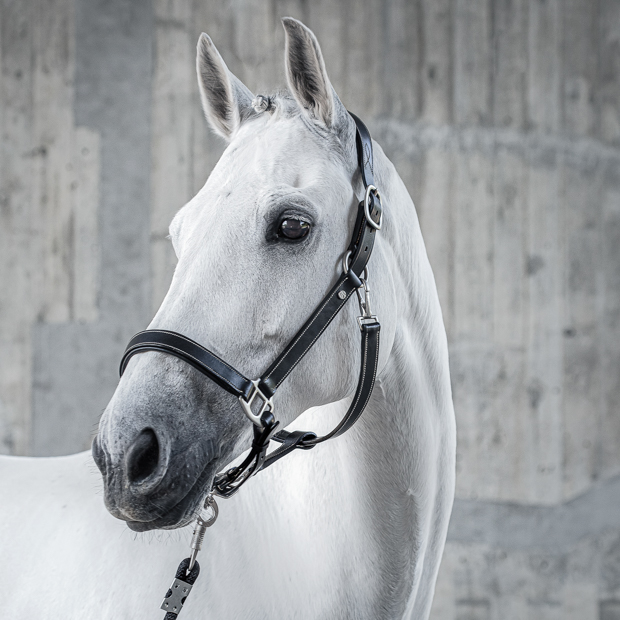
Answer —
293 229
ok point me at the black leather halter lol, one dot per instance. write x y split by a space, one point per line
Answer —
353 279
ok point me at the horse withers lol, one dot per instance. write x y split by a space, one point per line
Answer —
354 528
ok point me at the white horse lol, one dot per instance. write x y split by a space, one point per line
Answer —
352 529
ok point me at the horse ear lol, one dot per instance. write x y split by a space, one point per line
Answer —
226 101
306 75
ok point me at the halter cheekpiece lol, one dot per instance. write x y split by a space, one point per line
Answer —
256 396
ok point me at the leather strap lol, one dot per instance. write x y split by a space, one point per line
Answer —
368 373
191 352
228 483
294 352
365 160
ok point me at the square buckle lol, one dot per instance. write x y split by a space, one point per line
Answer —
246 405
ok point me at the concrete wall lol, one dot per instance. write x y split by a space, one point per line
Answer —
503 118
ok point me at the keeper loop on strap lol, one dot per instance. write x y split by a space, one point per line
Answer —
354 279
301 440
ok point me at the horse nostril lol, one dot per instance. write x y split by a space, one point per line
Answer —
142 456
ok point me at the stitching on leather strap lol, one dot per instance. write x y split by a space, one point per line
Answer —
364 358
137 348
372 385
299 336
288 372
336 432
165 331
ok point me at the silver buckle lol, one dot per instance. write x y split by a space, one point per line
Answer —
366 320
371 189
247 405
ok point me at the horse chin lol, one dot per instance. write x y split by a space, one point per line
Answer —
164 523
186 510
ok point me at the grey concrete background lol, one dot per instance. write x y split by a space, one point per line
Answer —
502 117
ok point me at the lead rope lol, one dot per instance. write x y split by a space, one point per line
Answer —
189 569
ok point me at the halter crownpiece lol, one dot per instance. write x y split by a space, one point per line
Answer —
256 396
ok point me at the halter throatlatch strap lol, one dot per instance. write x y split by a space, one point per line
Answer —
367 223
366 382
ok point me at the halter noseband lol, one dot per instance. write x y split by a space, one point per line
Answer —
250 392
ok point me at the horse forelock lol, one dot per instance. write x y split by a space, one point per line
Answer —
282 105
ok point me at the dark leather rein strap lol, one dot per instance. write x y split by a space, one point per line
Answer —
367 223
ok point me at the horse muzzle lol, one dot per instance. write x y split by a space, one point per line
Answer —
148 486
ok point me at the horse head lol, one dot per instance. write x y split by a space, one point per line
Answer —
258 247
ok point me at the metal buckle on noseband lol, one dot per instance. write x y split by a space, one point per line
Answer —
246 405
371 189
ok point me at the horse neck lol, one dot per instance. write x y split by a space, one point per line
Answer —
417 372
410 415
405 439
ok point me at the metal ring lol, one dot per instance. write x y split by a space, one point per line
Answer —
345 261
372 189
210 506
345 264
